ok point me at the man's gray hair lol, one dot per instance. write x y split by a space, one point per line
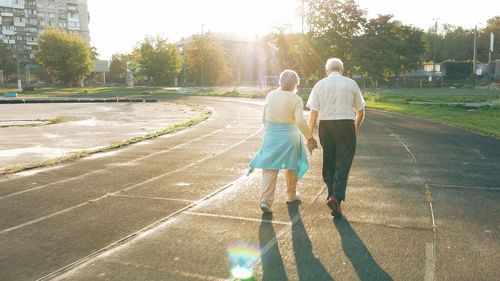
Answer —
289 80
334 64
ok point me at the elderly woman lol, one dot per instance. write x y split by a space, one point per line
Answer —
283 147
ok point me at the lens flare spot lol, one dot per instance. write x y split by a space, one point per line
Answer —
243 256
242 273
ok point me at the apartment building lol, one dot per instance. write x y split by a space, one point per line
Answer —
21 21
241 53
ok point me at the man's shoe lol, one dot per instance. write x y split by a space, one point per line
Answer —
334 205
297 197
265 207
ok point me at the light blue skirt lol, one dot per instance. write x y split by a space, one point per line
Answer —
282 148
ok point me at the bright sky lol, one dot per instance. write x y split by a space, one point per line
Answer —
116 25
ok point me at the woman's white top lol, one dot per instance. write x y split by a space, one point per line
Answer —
286 107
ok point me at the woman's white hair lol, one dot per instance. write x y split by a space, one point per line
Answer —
334 64
289 80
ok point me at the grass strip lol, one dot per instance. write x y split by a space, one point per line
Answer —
483 120
84 153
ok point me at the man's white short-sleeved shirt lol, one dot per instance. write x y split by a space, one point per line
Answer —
336 98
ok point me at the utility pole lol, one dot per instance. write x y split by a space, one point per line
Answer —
474 59
475 52
19 83
492 43
201 64
435 40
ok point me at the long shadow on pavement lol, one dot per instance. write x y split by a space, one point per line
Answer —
272 263
356 251
308 266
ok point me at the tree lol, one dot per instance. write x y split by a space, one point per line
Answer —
411 48
215 64
118 67
376 52
93 53
7 61
388 48
65 56
493 26
334 24
158 60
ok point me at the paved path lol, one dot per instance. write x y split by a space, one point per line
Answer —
82 127
422 204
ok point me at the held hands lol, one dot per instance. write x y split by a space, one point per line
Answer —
311 144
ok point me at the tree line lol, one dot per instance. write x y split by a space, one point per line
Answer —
378 48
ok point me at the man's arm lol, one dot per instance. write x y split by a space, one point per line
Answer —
360 116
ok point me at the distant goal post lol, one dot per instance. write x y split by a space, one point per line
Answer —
270 82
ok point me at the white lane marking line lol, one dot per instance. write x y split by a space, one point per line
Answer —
49 184
135 185
430 261
457 141
166 150
407 149
401 141
115 164
152 197
430 258
432 216
477 151
150 228
236 218
42 218
464 187
195 276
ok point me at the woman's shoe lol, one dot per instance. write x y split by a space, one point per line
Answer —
297 197
265 207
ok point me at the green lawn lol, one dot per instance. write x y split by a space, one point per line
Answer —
473 110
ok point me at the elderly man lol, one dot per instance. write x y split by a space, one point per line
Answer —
337 102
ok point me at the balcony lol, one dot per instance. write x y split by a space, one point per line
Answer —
8 32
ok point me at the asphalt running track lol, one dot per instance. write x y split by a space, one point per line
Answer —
422 204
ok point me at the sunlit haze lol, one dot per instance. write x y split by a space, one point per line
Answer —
116 25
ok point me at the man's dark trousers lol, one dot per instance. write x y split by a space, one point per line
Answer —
338 139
